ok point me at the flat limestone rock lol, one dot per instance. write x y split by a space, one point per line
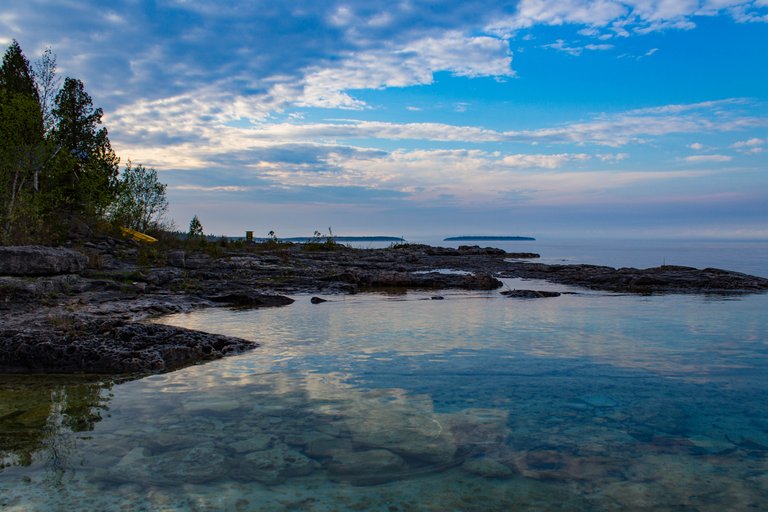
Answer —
113 347
36 260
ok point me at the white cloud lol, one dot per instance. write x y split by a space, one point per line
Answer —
612 157
216 188
412 64
623 17
561 45
698 159
749 143
752 146
542 161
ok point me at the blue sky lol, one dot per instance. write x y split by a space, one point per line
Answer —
643 118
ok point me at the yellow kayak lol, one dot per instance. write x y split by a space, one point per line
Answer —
139 237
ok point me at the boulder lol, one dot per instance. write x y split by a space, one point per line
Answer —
36 260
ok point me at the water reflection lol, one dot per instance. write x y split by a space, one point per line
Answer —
40 415
470 403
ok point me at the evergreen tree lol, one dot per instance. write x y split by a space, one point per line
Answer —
195 230
22 144
87 167
15 75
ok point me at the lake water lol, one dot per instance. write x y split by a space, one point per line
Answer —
748 256
478 402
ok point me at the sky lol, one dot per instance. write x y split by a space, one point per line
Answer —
546 118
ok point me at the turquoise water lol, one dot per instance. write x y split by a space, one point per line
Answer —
586 401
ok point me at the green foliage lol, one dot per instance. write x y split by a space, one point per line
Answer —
150 256
321 242
195 230
16 76
87 168
141 201
22 145
57 167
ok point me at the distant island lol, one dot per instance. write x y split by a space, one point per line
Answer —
304 239
486 238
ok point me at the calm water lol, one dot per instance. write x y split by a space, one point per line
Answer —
748 256
587 401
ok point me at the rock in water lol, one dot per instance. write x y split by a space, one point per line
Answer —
403 429
486 467
367 467
530 294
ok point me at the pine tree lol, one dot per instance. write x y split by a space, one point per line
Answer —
22 144
87 167
195 230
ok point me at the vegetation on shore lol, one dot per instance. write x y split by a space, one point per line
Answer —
58 171
61 180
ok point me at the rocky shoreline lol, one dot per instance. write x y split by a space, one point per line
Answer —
84 311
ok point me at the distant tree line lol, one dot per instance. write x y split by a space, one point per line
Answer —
57 167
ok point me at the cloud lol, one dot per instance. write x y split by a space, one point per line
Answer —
560 45
217 188
412 64
696 146
752 146
639 125
542 161
698 159
614 18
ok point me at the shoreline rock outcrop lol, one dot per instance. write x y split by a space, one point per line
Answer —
37 260
63 311
109 347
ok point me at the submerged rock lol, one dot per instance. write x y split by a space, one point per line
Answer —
403 429
199 464
486 467
274 465
367 467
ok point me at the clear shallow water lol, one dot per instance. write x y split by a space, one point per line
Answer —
372 402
